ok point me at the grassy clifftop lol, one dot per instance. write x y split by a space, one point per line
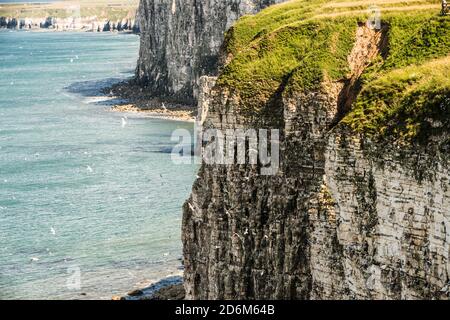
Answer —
298 44
411 103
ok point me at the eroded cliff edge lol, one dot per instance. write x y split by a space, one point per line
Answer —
360 207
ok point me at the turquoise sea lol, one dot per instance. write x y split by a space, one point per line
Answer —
90 205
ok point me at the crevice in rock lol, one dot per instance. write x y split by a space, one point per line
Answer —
369 44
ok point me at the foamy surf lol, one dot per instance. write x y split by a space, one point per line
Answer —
96 100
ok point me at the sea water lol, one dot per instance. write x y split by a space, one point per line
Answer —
90 201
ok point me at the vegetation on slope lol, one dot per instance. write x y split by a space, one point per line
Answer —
411 103
295 45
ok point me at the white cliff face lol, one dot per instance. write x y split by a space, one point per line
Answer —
181 39
89 24
343 219
393 228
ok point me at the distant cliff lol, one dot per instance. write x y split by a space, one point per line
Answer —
360 206
82 15
89 24
181 39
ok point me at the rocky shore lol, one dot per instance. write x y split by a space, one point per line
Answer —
135 99
170 288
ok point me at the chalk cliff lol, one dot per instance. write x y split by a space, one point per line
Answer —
181 39
90 24
360 207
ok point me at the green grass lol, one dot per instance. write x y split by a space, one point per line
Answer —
408 104
297 56
405 93
415 38
295 46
